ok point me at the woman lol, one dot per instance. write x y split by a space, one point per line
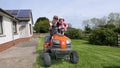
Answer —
54 22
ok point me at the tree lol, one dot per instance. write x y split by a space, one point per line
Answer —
95 22
69 25
87 29
86 22
42 25
103 30
114 18
99 22
109 26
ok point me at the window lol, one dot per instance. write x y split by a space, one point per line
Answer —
14 27
1 28
30 28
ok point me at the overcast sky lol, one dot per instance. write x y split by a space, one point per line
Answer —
74 11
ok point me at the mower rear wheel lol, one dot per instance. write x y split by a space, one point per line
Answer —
74 57
47 59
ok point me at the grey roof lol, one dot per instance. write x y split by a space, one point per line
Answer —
20 15
8 13
25 14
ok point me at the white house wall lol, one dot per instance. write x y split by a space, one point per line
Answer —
7 31
30 22
17 36
25 30
22 31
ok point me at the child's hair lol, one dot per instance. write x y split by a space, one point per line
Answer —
61 19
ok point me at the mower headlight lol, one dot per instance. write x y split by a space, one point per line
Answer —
68 42
56 42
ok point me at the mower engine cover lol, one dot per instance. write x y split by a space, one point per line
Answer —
61 43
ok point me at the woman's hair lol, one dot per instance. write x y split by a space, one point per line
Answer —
55 17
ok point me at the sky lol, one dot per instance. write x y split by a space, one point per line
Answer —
73 11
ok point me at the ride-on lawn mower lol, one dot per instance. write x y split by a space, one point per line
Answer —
59 47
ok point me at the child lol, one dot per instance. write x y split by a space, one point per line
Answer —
62 25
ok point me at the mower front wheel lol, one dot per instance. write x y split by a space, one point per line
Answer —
74 57
47 59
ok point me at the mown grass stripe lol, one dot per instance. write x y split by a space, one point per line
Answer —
90 56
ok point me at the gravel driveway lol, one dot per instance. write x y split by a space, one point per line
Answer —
22 55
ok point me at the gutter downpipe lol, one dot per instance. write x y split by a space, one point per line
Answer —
12 32
13 39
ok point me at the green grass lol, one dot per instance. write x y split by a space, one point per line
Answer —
90 56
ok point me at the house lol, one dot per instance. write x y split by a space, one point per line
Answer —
15 27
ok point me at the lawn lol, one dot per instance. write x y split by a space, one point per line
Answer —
90 56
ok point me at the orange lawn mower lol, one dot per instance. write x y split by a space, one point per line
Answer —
59 47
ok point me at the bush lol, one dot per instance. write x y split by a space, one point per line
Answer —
117 30
74 33
42 25
103 36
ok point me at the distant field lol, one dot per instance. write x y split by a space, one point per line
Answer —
91 56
